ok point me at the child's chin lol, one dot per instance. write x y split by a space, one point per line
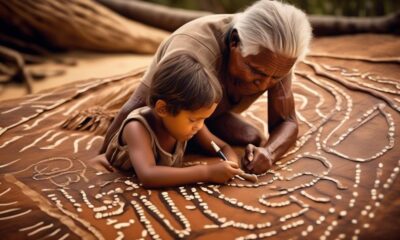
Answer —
189 137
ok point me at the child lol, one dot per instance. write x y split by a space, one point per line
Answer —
152 139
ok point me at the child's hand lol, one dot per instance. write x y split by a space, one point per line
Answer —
223 171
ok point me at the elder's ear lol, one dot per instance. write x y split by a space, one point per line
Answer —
161 108
234 39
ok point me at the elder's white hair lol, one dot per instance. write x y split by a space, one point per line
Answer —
280 27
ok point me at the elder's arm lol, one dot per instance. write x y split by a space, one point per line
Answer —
282 127
282 121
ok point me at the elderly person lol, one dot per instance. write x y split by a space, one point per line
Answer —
250 53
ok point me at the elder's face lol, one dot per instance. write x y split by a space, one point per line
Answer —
255 73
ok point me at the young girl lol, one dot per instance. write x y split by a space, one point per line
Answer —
152 139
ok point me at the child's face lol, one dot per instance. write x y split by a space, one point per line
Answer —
186 124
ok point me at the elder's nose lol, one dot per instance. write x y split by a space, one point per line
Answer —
265 83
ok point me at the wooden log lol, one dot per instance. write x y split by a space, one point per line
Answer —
155 15
170 19
79 24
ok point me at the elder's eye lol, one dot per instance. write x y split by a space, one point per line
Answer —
257 82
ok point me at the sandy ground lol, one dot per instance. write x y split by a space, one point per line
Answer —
89 65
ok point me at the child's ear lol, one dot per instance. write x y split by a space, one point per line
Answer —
161 108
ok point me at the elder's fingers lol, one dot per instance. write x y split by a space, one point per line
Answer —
249 152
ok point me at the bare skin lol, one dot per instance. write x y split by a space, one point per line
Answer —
253 75
169 130
245 76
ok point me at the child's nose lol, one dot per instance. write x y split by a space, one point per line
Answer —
198 125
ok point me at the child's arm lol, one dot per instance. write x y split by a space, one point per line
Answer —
141 155
204 137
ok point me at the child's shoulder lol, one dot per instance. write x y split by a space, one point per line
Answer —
140 118
138 124
135 126
135 131
142 111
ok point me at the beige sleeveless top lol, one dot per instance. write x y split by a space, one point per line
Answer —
117 152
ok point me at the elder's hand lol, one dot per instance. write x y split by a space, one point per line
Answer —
256 160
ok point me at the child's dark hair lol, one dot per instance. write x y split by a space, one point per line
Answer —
184 84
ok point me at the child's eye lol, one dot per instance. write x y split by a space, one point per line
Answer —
192 121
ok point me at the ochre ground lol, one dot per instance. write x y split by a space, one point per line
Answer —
89 65
340 181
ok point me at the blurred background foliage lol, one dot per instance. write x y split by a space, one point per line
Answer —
359 8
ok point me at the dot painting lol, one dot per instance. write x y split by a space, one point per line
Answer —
336 182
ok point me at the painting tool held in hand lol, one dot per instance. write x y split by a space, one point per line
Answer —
249 177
